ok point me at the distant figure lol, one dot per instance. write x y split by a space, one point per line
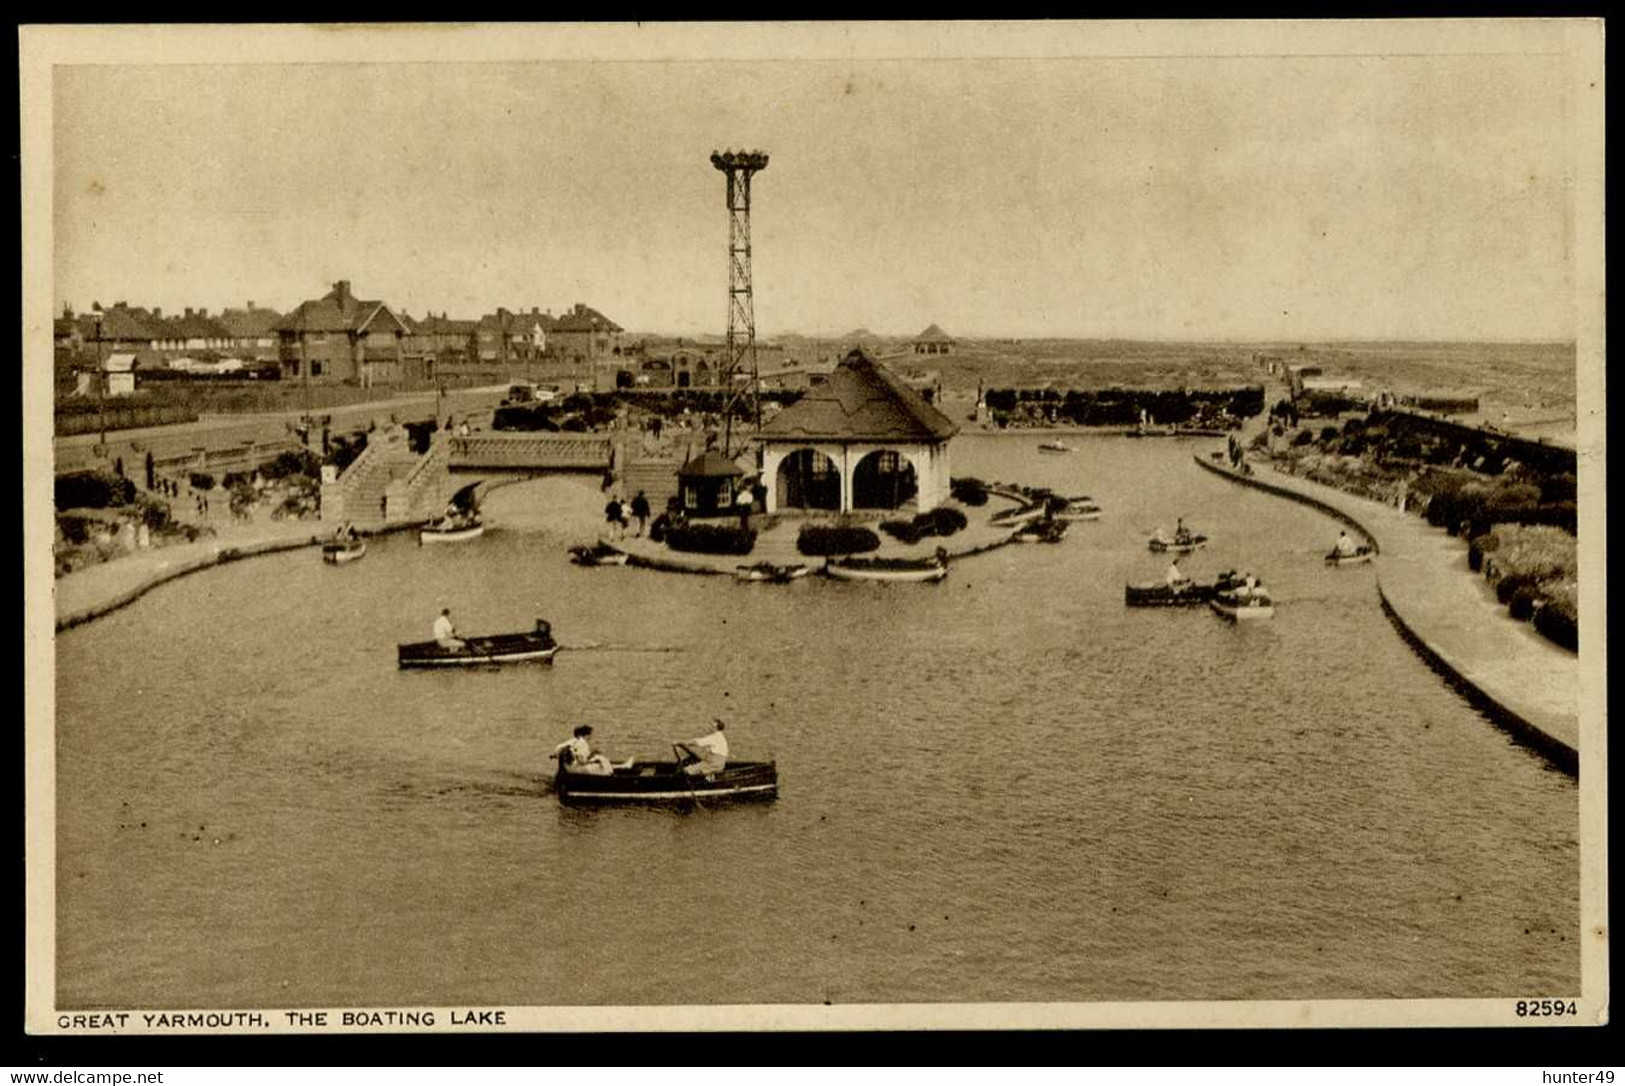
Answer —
1182 534
1160 536
445 634
383 508
118 466
1345 546
614 519
640 511
150 474
742 503
1176 576
462 428
709 753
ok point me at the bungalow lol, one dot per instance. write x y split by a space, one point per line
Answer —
861 439
339 337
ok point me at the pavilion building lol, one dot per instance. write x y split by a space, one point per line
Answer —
862 439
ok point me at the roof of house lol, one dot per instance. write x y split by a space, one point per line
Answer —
933 334
443 326
119 363
861 400
121 323
248 323
710 464
194 326
336 311
584 318
521 321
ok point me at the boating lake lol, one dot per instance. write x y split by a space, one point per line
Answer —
1006 787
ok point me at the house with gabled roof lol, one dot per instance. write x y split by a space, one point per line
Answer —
339 337
861 439
933 341
585 333
251 332
506 336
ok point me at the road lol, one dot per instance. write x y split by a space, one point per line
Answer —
222 432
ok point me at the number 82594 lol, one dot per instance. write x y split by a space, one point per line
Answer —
1547 1008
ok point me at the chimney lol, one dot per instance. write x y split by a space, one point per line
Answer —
188 312
535 312
157 313
341 291
250 305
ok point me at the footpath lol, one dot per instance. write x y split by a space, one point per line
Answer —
1451 617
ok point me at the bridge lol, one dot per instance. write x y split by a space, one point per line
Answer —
531 452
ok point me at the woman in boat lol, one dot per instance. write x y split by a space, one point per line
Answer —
1182 534
584 757
1176 577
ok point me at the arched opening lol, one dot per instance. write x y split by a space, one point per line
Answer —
807 479
682 378
883 480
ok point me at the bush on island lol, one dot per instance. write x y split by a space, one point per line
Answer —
201 480
710 538
939 522
972 492
1525 601
1304 437
821 541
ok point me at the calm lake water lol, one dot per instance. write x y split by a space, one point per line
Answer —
1004 787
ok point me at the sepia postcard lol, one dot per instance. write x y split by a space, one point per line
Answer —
577 527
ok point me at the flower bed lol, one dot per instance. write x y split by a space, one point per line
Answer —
1534 568
819 541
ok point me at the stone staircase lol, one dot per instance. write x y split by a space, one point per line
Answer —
389 485
656 477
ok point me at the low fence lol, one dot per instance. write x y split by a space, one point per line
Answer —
93 417
531 452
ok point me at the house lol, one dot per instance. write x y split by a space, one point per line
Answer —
861 439
933 341
251 333
708 484
339 337
121 329
443 341
585 333
506 336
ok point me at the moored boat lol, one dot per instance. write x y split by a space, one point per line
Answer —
1079 508
338 552
599 554
537 644
1239 606
1017 516
886 569
1054 447
768 572
664 782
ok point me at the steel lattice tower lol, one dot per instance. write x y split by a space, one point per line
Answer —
739 166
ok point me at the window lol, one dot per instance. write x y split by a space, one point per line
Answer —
315 369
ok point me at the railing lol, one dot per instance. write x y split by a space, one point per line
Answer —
578 452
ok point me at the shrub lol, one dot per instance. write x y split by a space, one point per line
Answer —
972 492
1523 602
711 538
817 541
945 520
1303 437
93 490
1328 433
201 480
1538 552
1482 544
1559 620
904 531
941 521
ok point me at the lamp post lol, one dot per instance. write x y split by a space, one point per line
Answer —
101 381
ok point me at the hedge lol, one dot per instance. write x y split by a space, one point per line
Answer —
972 492
201 480
710 538
1559 620
818 541
938 522
93 490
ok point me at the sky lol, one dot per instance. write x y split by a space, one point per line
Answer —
1210 198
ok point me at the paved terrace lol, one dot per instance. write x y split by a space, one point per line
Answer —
1451 616
776 543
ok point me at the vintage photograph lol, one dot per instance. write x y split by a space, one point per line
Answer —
551 527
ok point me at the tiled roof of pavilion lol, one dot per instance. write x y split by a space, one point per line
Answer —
860 401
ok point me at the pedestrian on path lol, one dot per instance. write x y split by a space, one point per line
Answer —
640 511
614 519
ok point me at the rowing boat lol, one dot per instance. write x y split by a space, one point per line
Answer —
338 552
1237 607
1185 546
451 530
665 782
770 573
514 648
601 554
1360 556
886 569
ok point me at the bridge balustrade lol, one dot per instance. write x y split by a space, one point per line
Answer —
576 452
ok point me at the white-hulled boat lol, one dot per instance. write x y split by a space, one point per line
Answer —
1081 508
770 573
1054 447
1237 606
461 522
1043 531
451 530
1184 546
337 552
886 569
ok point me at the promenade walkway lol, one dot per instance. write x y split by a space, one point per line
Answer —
1451 616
